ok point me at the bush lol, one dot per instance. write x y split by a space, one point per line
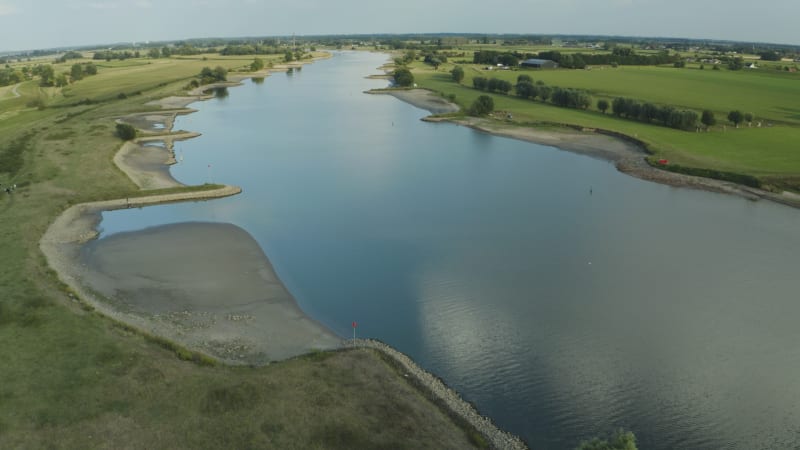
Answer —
403 77
126 132
481 106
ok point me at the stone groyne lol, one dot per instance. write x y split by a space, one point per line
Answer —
497 438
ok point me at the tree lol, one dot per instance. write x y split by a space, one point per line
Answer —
256 65
525 89
708 119
166 52
545 92
602 105
480 83
524 78
458 74
208 76
220 73
481 106
736 117
403 77
61 80
288 56
748 117
90 69
126 132
47 74
154 53
736 63
76 72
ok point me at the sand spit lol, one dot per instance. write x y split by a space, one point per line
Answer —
208 286
421 98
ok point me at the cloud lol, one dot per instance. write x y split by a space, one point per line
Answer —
102 5
7 10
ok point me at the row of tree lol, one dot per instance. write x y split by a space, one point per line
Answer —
619 56
251 49
622 107
525 88
668 116
492 84
493 57
624 56
109 55
47 74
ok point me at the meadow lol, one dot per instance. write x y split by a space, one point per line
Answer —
769 152
72 378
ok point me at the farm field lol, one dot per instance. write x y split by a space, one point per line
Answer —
766 152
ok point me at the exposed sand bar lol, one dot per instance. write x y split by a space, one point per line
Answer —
421 98
207 286
210 284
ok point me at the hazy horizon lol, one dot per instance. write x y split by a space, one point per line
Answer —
42 24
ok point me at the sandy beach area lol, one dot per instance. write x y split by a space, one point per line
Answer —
208 286
421 98
627 156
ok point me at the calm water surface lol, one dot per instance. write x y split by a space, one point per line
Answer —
561 314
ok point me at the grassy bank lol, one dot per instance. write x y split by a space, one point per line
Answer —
767 153
73 379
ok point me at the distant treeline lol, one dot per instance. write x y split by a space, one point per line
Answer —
121 55
251 49
620 55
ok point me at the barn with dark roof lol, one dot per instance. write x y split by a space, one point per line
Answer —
539 64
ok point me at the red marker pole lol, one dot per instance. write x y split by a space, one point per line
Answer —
354 333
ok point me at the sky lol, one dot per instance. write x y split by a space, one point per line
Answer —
34 24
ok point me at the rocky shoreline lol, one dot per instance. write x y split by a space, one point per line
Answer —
497 438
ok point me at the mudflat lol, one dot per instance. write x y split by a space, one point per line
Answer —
208 285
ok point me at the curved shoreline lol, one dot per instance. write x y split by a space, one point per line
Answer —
74 227
77 225
626 153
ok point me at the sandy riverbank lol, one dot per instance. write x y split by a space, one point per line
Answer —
421 98
627 156
208 287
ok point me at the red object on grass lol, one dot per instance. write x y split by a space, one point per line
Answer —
663 162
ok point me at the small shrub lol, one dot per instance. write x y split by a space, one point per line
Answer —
126 132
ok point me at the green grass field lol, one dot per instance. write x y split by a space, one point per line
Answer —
769 153
74 379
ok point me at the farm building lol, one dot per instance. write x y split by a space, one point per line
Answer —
539 64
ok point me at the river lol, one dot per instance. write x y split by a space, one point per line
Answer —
563 298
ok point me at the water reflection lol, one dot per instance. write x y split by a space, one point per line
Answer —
561 314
